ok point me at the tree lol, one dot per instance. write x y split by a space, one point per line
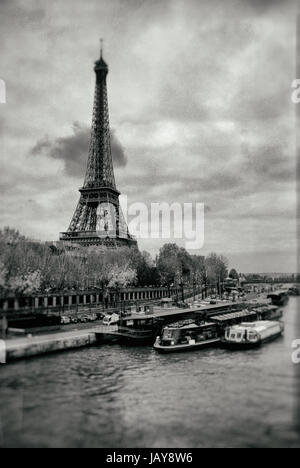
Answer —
233 274
186 265
222 267
147 272
28 266
216 269
26 284
3 274
121 276
168 264
198 268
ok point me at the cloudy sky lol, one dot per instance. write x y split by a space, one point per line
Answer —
200 110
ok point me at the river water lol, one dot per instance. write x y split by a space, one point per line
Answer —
118 396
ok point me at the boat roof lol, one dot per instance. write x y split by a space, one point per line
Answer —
189 326
257 326
278 293
266 307
176 311
233 315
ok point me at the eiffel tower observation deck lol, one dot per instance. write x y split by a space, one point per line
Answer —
98 219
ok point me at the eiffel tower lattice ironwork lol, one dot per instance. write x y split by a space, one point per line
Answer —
98 218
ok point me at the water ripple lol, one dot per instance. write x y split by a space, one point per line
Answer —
133 397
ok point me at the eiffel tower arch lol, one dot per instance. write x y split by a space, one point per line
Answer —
98 219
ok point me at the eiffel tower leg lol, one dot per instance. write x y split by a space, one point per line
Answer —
75 221
86 218
117 220
93 220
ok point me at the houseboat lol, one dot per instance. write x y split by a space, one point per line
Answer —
294 291
142 327
138 329
280 298
252 334
187 336
268 312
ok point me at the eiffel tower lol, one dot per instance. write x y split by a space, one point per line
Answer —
98 219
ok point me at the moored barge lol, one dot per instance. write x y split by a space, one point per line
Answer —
252 334
280 298
184 337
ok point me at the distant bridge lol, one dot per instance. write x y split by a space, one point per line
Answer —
270 281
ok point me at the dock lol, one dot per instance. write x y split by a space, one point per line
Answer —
19 348
175 312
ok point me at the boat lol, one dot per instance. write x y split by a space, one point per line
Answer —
268 312
186 337
224 320
138 330
280 298
144 326
251 334
294 291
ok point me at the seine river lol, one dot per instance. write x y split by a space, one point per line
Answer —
117 396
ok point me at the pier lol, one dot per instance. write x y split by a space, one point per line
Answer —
18 348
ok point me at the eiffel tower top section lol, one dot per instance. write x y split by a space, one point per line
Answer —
100 171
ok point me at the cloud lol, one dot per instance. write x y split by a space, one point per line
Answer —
73 150
199 95
269 163
117 150
199 159
263 5
2 125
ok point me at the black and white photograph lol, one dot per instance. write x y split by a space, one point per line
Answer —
149 264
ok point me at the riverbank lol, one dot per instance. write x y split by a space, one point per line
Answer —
84 335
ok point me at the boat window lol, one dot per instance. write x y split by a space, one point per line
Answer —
239 336
168 334
252 336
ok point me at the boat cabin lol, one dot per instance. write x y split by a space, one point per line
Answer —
232 318
241 333
188 334
279 298
268 312
137 328
253 333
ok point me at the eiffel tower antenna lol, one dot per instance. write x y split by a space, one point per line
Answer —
99 187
